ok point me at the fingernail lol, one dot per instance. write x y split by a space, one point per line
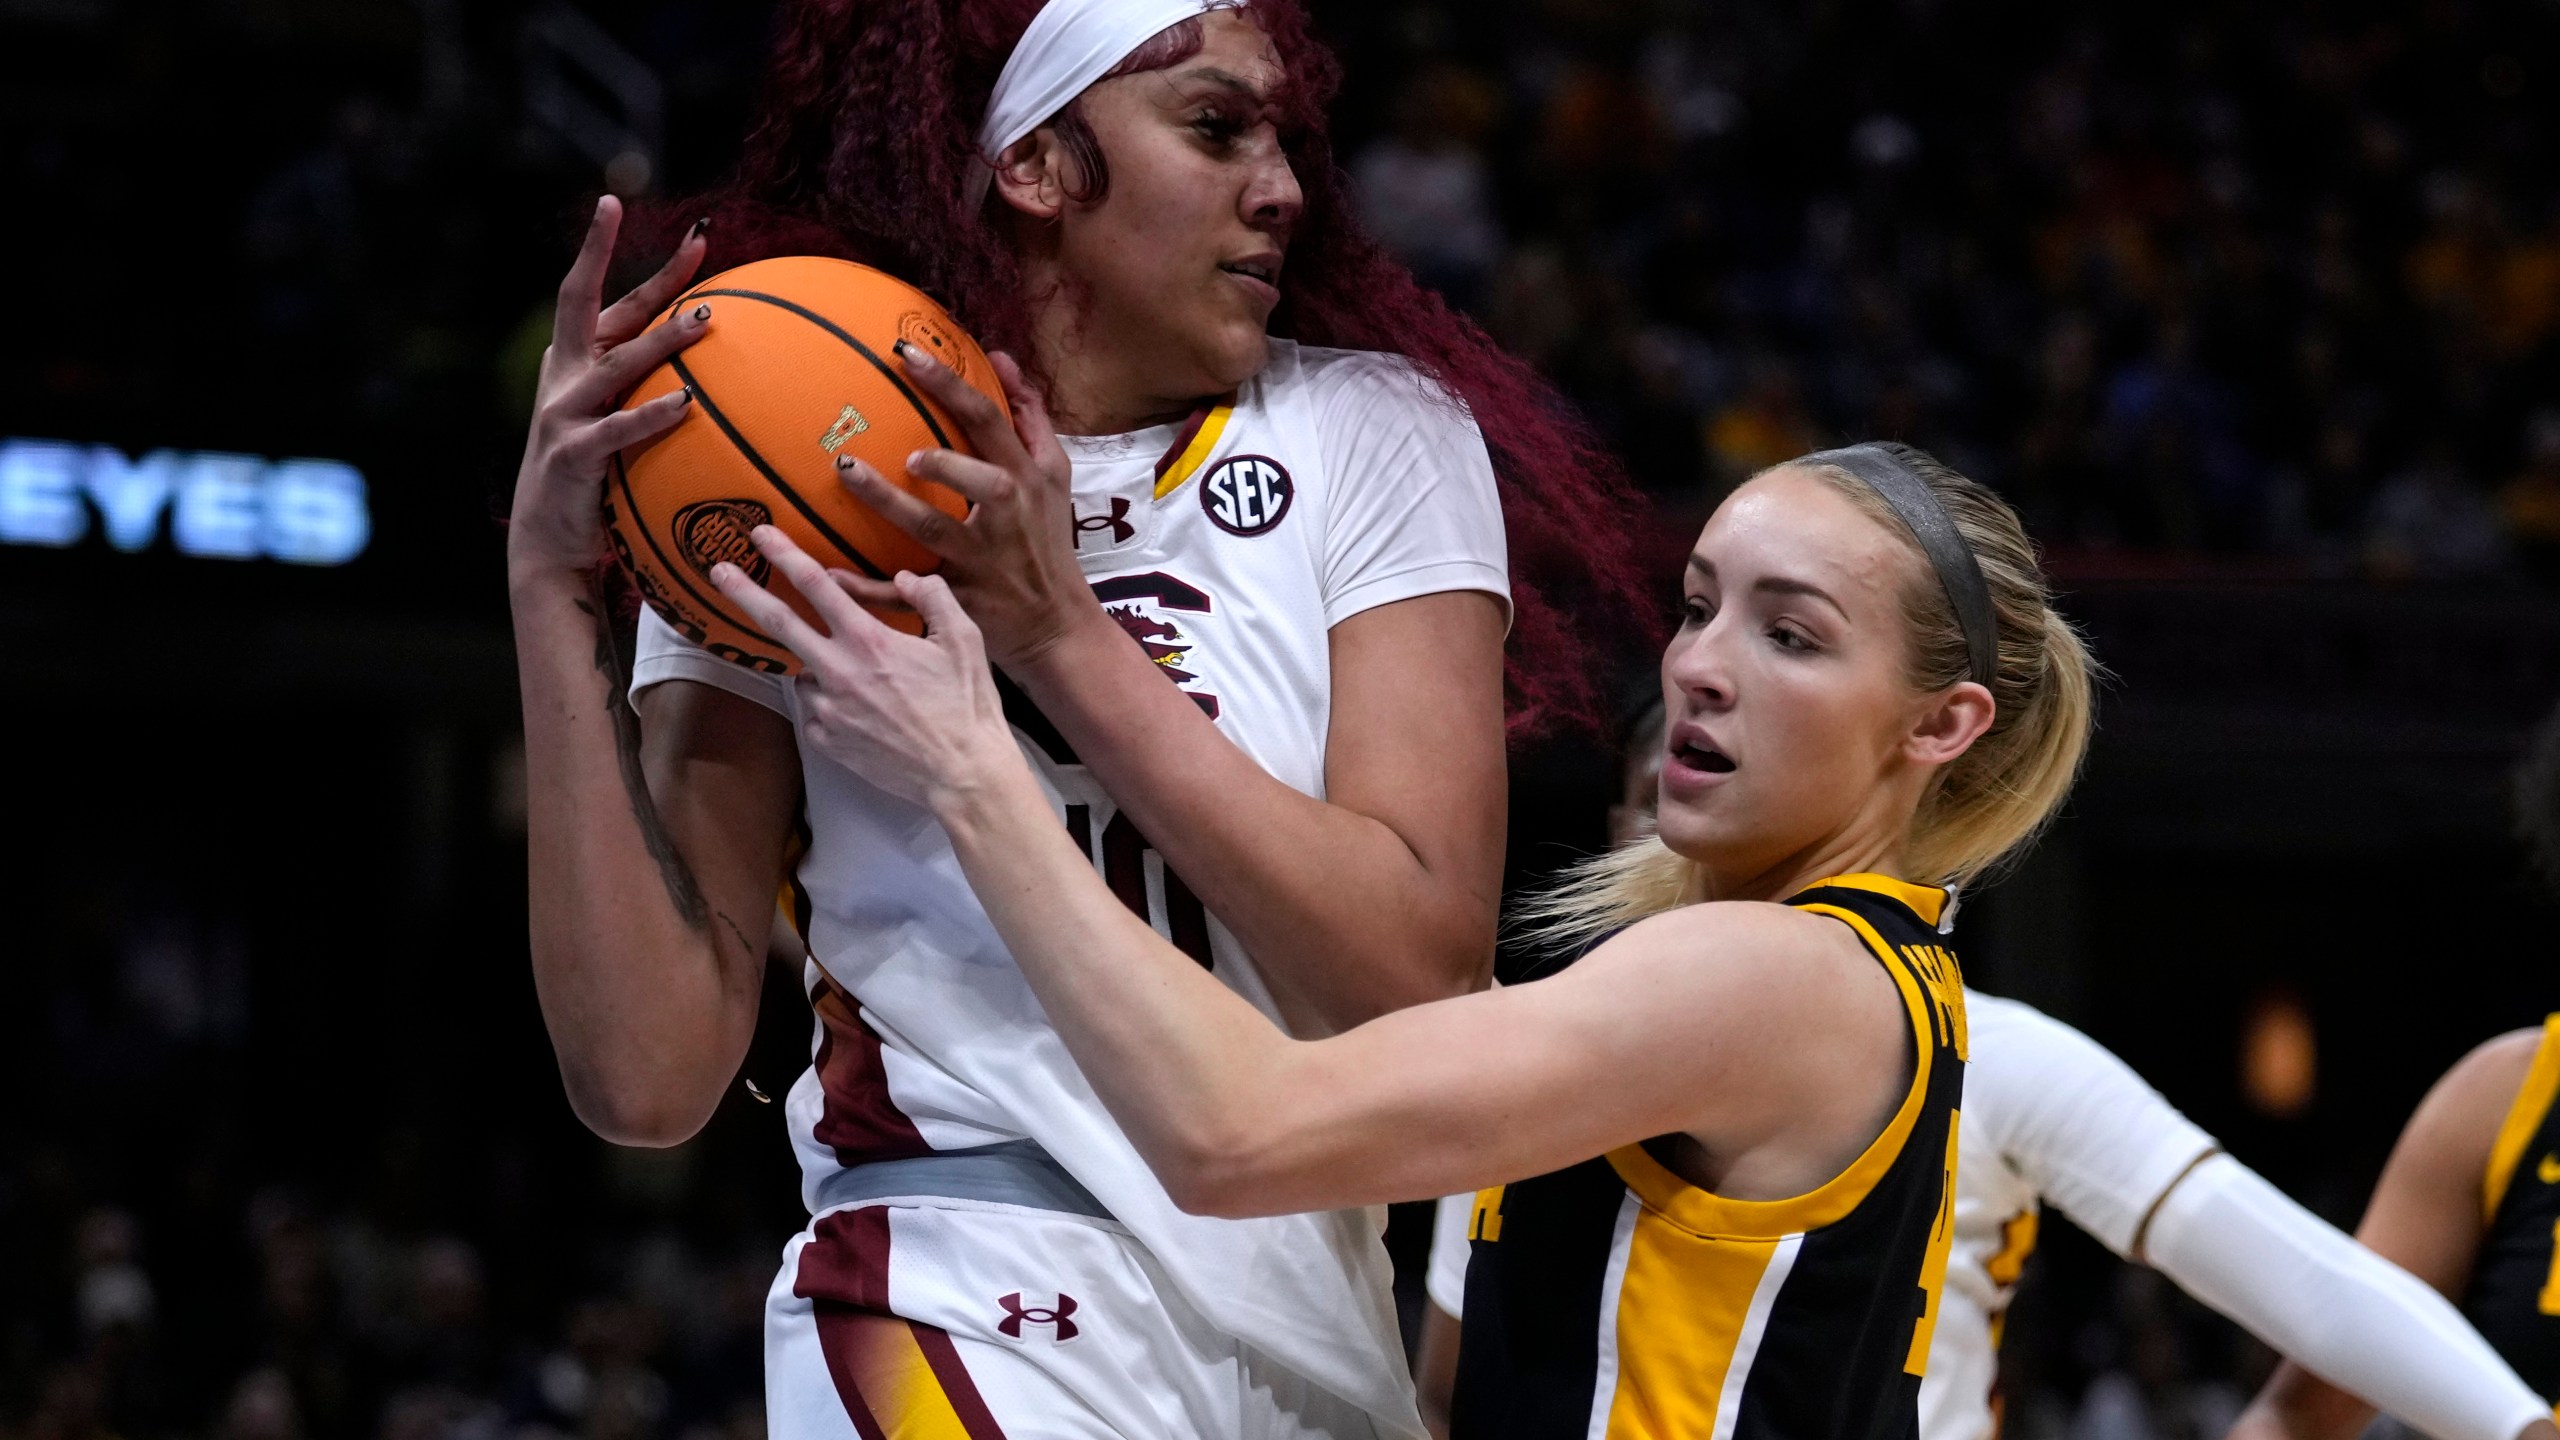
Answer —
701 312
684 395
845 463
914 354
698 227
721 572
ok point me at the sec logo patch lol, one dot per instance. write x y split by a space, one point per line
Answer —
1247 494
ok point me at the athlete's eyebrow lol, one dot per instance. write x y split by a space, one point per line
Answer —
1770 584
1780 585
1224 80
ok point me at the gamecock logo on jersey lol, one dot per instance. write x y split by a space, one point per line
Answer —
1247 494
710 531
1017 1315
1150 608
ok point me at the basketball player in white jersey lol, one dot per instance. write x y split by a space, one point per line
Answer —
2050 1115
1250 596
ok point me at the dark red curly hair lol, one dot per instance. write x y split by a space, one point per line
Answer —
865 133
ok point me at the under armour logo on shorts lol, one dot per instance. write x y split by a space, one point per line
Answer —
1017 1315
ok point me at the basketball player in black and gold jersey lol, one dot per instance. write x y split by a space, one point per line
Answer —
1617 1282
1740 1214
2470 1199
2469 1203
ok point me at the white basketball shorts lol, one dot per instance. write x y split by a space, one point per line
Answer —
951 1321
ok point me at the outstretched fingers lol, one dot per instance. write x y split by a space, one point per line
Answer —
989 429
624 428
976 481
875 595
944 621
844 618
573 324
629 315
626 364
1031 422
929 526
769 613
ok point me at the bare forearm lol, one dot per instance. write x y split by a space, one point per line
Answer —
648 987
1387 1111
1338 910
2298 1405
1435 1368
1178 1058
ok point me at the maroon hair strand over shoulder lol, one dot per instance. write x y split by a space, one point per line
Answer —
864 136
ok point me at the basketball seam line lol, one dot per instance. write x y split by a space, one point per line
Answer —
780 485
865 351
622 476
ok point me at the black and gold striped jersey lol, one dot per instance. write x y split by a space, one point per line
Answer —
1612 1299
2514 1295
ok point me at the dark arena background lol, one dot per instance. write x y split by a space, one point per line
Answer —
2254 311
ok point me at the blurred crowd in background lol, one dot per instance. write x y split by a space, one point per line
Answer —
2276 281
2204 289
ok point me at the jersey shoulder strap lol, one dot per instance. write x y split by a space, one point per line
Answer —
2525 1117
1898 924
1906 927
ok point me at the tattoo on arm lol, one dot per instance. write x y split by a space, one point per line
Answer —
683 891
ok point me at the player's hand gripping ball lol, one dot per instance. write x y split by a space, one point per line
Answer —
801 370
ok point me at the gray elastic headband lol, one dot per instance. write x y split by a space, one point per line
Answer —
1911 498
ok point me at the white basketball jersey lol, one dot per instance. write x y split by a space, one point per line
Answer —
2049 1114
1228 547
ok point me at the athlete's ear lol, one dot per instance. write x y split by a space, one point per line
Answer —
1949 722
1033 177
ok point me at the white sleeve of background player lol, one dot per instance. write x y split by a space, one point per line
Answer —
1413 509
2240 1245
2076 1121
1445 1278
662 654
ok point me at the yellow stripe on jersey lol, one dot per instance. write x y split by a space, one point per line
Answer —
891 1376
1692 1300
2524 1117
1711 1214
1706 1307
1929 902
1186 462
1933 1271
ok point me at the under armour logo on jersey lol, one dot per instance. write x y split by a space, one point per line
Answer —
1117 522
1017 1315
1247 494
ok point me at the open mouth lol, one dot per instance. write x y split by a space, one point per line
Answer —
1699 757
1266 271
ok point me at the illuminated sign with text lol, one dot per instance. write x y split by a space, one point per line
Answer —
210 504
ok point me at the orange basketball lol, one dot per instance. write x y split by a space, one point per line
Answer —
796 370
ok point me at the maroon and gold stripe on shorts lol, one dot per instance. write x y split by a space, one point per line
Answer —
900 1380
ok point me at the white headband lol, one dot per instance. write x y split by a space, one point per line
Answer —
1069 45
